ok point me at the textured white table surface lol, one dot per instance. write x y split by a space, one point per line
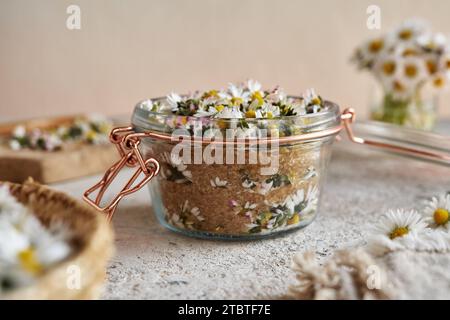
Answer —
154 263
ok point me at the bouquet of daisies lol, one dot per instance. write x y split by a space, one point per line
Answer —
405 61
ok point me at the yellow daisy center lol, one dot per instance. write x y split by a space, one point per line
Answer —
410 70
184 120
269 115
219 107
29 262
389 67
431 66
90 136
250 114
376 45
315 101
409 52
266 217
441 216
398 86
405 34
398 232
257 96
294 220
236 101
222 124
211 94
438 82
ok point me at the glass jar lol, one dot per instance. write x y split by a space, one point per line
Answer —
213 184
219 196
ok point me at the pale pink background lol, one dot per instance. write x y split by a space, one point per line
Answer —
130 50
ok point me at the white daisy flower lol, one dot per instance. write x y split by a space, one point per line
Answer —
312 200
147 105
218 183
399 89
367 54
253 86
27 248
53 141
206 112
311 172
293 200
397 230
268 111
310 97
237 91
440 81
19 132
444 63
13 241
248 183
410 30
15 145
265 187
276 95
177 167
173 99
176 220
196 213
414 71
229 113
434 42
249 205
299 108
312 101
437 211
386 68
8 203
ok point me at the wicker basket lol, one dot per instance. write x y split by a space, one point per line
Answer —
92 243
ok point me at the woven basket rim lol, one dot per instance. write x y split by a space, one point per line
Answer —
91 255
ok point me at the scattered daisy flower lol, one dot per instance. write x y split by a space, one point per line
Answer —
396 230
437 212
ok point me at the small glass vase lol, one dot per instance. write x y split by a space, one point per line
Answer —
418 111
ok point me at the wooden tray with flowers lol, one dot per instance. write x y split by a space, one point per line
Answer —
55 149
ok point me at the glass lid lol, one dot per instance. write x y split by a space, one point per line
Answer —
433 146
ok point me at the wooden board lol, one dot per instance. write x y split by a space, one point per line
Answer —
73 161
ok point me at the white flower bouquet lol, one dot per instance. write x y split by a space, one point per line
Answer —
409 63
